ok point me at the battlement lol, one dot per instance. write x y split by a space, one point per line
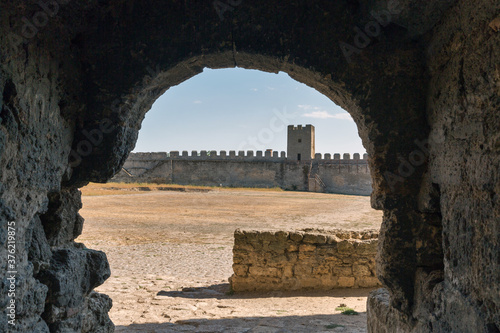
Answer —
300 127
248 155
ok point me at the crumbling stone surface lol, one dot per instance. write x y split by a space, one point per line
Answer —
61 222
420 79
303 259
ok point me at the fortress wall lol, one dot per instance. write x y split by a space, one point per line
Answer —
248 155
246 169
304 259
225 173
346 178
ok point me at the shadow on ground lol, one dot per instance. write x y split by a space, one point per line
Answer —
282 324
223 291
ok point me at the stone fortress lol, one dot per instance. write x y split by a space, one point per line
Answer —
300 168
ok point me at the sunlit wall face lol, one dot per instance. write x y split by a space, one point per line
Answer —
238 109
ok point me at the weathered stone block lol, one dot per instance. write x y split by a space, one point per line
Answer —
239 235
345 247
240 270
366 247
345 282
240 258
314 239
62 223
348 260
277 247
266 236
342 271
361 270
276 260
264 271
244 247
288 271
321 270
302 270
296 236
367 282
307 247
332 239
324 251
72 275
292 257
309 282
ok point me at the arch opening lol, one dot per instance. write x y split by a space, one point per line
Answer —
363 95
203 202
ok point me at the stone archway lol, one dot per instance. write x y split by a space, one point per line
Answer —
77 78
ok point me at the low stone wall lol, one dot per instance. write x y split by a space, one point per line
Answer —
304 259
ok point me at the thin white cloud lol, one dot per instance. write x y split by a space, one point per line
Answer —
318 113
254 89
308 107
271 88
197 102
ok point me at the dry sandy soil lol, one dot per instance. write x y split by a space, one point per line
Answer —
170 252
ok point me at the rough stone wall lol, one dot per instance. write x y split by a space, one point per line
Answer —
462 294
304 259
46 279
464 112
345 176
77 78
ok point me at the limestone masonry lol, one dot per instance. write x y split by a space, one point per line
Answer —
304 259
299 169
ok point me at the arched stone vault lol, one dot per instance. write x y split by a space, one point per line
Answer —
75 93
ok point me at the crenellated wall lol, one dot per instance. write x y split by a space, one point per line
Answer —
250 169
304 259
239 155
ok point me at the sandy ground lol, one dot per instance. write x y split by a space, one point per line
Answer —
170 254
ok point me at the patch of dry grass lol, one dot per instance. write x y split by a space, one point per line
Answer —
211 216
95 189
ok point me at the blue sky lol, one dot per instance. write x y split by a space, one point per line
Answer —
239 109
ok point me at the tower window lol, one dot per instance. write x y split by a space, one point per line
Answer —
300 140
298 157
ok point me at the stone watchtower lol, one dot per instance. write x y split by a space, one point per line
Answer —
300 145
